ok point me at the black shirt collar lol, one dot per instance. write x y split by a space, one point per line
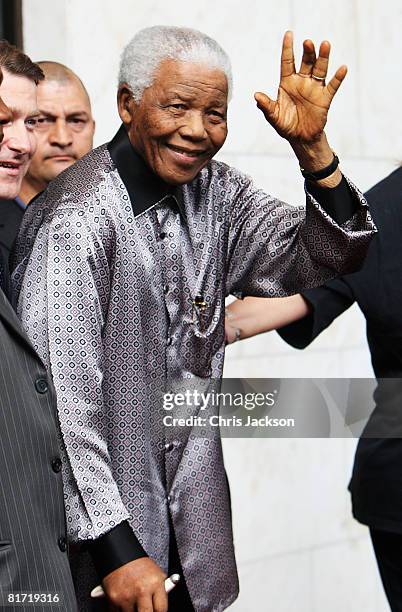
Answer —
143 186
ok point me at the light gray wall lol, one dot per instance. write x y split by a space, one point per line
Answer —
298 548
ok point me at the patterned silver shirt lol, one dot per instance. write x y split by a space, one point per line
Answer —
108 266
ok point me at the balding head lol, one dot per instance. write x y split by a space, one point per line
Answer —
64 130
60 73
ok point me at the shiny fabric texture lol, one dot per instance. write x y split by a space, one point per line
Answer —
107 299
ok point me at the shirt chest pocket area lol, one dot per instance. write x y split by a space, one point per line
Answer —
203 332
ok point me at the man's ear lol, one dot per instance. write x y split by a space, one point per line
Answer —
125 104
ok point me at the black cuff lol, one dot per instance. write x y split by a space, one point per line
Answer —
114 549
299 334
339 202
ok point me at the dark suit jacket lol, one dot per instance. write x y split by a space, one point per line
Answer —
33 555
11 215
376 484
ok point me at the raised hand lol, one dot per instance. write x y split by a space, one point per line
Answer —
299 113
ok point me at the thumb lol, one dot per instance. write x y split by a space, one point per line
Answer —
266 105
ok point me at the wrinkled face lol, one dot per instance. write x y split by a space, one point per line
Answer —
180 123
19 143
64 131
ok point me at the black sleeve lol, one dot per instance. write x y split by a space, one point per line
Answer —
327 303
114 549
339 202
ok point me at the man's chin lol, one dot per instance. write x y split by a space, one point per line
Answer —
8 194
60 166
9 191
178 176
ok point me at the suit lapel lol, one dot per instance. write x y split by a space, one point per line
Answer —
10 319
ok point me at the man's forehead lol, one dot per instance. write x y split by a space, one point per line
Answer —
68 94
18 92
187 76
59 107
18 83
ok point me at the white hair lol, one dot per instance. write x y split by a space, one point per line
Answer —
150 46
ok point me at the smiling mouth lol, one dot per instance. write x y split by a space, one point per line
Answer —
9 165
186 152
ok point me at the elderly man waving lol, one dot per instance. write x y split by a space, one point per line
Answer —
122 268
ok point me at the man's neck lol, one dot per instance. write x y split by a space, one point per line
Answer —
30 188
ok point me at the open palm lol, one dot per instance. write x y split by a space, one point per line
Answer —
301 109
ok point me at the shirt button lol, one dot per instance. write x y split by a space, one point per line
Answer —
162 235
169 499
41 385
62 542
169 340
169 446
166 288
56 465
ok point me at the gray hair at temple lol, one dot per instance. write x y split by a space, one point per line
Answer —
150 46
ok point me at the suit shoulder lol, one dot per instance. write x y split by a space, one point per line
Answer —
10 209
387 194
